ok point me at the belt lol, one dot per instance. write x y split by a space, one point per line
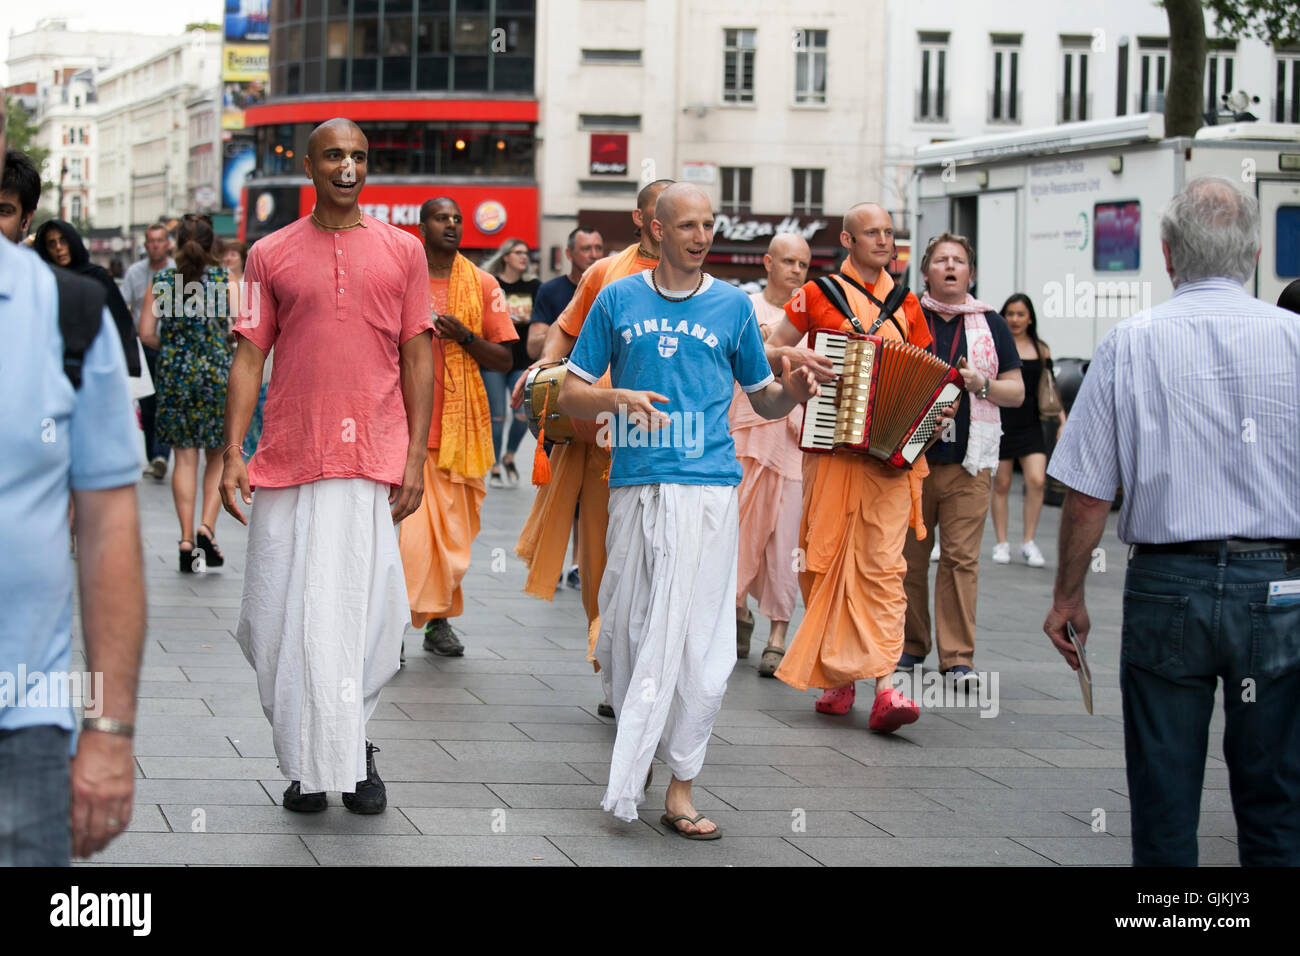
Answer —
1221 546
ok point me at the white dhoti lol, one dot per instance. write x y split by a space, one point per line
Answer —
668 628
321 621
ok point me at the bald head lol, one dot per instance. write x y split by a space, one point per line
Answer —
679 197
329 131
857 212
645 199
786 262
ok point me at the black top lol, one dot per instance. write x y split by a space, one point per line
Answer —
1026 416
945 453
552 298
519 300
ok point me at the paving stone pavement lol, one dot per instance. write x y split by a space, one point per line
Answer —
499 757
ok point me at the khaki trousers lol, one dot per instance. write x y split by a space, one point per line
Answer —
959 504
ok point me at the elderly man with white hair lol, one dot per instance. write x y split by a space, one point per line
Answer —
1192 407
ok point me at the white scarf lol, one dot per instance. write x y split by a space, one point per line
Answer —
982 355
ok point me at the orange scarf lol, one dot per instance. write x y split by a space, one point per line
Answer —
466 446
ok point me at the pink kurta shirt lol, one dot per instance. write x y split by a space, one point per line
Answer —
773 444
336 306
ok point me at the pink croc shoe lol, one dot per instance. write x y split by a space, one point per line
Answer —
837 700
892 710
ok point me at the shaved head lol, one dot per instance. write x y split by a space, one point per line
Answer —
322 133
649 192
788 243
853 217
677 197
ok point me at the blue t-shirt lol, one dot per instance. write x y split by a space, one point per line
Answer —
54 439
551 298
691 351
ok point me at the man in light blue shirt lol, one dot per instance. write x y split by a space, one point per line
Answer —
57 440
671 337
1192 408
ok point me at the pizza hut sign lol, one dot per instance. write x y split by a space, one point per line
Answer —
736 229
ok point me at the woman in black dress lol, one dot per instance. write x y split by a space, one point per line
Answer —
1022 436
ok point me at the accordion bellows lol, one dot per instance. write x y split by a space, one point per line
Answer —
885 402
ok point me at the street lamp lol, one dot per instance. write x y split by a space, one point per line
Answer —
63 174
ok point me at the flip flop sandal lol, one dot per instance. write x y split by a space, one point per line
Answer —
770 661
744 629
671 823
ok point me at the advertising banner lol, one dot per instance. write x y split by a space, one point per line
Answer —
245 59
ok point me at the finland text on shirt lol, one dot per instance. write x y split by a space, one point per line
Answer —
690 351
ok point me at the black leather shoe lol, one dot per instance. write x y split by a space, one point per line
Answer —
441 639
299 802
371 795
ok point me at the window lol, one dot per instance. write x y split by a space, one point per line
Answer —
738 66
1004 103
808 191
1116 236
810 67
76 208
1121 83
1218 73
737 182
611 56
932 95
1288 242
1286 97
1075 103
1153 67
609 121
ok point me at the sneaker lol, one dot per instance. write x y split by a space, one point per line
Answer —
299 802
962 676
495 479
1002 553
158 467
401 657
907 661
573 579
605 709
512 474
892 710
441 639
934 552
371 795
1033 557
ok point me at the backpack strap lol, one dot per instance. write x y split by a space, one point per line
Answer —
81 313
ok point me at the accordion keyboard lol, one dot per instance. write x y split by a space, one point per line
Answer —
819 417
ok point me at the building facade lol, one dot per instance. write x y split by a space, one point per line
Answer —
959 69
773 110
144 131
445 93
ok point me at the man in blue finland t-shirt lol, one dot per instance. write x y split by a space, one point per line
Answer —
674 341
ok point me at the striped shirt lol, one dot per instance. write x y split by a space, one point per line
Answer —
1193 408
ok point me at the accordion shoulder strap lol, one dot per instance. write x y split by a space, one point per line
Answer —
836 297
887 308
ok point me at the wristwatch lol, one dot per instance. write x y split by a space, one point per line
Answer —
468 340
984 391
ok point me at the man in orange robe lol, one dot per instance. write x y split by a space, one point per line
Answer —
580 469
856 509
470 322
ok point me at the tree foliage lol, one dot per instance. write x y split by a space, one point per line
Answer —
1273 21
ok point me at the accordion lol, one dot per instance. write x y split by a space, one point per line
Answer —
885 402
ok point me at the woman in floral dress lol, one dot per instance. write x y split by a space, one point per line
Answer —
186 317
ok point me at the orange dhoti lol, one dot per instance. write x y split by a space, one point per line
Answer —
855 519
435 542
579 476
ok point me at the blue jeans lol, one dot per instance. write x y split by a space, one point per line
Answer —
34 797
499 386
1188 621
